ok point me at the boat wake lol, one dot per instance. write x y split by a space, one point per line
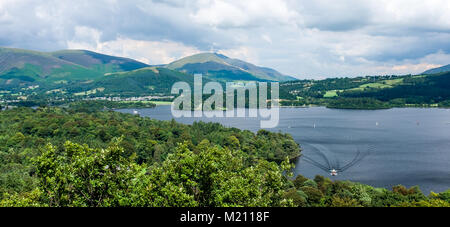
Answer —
335 167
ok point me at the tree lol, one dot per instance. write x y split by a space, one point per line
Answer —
214 176
314 194
82 176
299 180
337 201
298 197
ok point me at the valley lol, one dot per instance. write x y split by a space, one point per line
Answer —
29 77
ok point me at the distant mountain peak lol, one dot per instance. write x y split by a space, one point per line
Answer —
220 67
445 68
221 55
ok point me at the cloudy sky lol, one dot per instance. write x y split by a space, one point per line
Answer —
303 38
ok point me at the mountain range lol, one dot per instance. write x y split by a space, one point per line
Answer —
18 66
87 72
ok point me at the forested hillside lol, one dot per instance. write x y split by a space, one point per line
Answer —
24 132
371 92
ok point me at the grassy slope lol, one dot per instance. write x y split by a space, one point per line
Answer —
197 58
377 85
82 72
17 65
99 62
142 81
370 92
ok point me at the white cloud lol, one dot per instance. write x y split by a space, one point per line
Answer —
266 38
242 53
416 66
431 14
237 13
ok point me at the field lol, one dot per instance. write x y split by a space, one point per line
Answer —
377 85
330 94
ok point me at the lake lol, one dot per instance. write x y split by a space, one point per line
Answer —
408 146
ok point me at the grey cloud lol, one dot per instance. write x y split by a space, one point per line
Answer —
344 16
413 47
313 38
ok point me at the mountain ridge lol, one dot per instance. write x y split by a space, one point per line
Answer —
445 68
76 64
61 65
221 67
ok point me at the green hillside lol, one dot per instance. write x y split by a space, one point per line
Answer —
25 67
140 82
375 92
197 58
99 62
17 64
220 67
150 80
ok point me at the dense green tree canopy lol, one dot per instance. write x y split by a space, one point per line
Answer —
211 176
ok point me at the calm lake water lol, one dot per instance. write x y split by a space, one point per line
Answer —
406 146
